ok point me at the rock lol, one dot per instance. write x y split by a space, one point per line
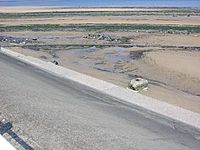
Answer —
34 39
138 84
22 43
55 62
170 32
99 37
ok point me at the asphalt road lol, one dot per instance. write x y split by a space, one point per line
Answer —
51 113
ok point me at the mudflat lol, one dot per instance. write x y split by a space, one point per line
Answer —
161 45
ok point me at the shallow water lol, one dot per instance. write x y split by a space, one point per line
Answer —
78 3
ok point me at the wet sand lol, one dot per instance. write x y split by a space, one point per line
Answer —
168 82
106 20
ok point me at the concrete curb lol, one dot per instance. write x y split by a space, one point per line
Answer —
178 118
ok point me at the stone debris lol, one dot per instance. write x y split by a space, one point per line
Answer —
16 40
34 39
177 32
99 37
55 62
107 37
138 84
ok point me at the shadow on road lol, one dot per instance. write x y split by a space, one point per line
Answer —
6 127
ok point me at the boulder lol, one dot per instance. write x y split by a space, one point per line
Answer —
138 84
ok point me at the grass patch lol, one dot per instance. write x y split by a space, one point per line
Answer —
98 27
55 47
178 12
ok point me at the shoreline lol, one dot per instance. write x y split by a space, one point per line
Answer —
9 9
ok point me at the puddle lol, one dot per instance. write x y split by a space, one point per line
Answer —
117 55
112 59
136 54
50 38
84 52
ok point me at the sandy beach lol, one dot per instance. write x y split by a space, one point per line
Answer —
161 45
158 20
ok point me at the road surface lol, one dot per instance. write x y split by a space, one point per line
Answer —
51 113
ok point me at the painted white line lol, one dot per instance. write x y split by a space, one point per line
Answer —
5 145
179 118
